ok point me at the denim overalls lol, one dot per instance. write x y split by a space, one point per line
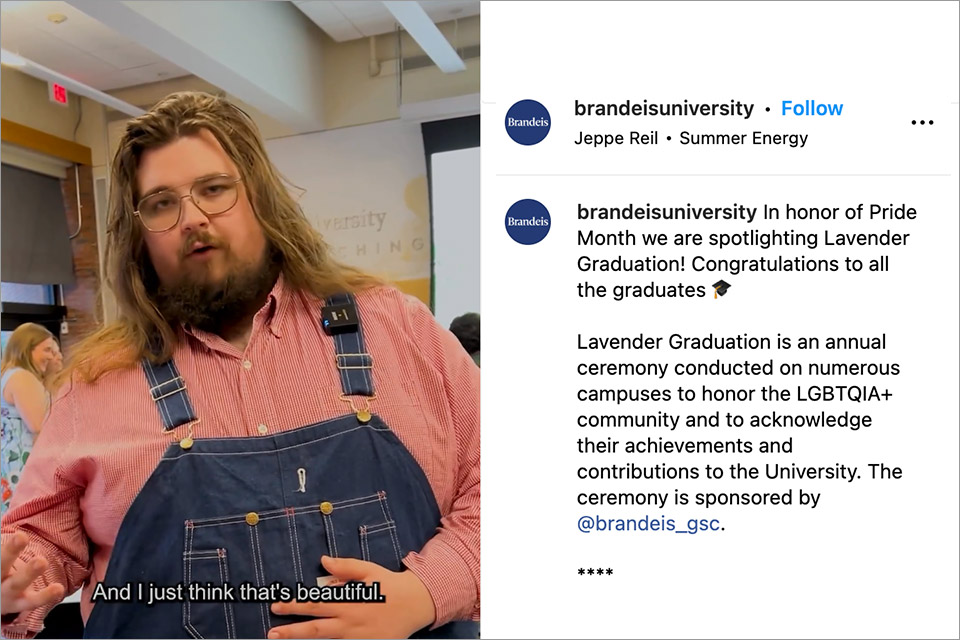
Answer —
263 510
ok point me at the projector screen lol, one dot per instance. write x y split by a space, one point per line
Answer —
456 233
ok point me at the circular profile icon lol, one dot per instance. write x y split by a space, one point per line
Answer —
528 222
528 122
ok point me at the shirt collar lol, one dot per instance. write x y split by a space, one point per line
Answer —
272 314
278 306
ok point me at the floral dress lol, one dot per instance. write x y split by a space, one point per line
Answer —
15 445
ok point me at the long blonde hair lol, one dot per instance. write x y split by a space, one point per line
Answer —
141 331
20 346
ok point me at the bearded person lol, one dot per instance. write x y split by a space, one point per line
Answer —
259 416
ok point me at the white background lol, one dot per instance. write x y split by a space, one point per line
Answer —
875 558
456 228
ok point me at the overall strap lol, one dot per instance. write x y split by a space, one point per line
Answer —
353 362
169 393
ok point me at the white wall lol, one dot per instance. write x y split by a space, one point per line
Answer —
456 233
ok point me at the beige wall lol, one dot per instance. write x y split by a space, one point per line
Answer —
352 96
25 100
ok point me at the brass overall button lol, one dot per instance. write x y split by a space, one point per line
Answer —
326 508
252 518
186 443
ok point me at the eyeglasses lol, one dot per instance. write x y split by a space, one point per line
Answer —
213 195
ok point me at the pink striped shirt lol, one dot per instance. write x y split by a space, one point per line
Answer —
102 441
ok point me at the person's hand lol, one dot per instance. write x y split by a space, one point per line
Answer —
16 593
408 606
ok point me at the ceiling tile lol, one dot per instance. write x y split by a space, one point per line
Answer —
171 70
329 18
320 11
12 33
79 30
451 9
359 9
341 31
55 54
126 57
80 47
376 25
82 67
370 18
126 78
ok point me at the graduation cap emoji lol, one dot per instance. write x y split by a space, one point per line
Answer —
721 288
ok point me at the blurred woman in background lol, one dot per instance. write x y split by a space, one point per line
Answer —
31 356
50 380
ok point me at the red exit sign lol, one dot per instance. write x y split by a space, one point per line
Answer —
58 93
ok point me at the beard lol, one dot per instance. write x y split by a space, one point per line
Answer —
213 306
